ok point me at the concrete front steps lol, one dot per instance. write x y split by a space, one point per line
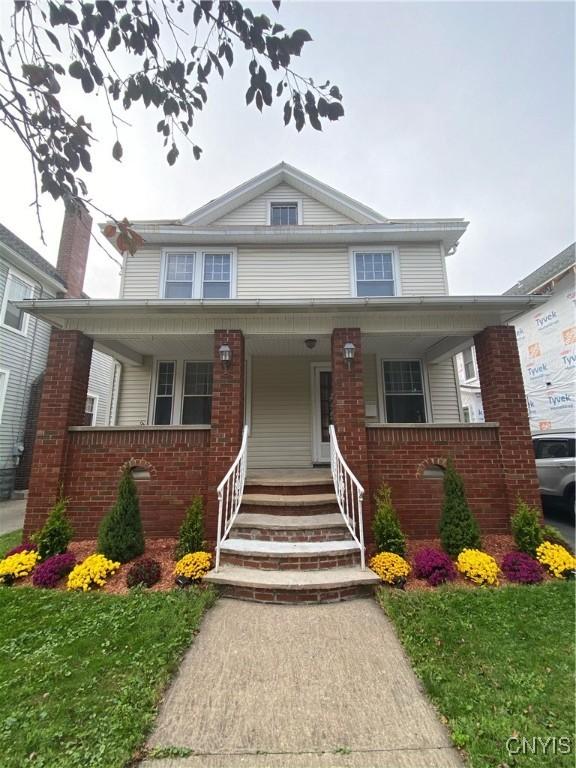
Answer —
290 543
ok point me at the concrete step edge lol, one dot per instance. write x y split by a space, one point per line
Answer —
332 578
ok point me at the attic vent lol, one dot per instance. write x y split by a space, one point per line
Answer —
139 473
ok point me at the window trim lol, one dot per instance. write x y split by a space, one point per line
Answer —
96 399
178 396
3 389
381 359
353 250
198 251
24 279
297 201
183 374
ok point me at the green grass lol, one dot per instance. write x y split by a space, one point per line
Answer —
81 674
496 662
9 540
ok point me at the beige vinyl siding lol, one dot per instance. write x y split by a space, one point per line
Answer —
297 272
141 275
370 388
134 393
422 270
255 212
443 383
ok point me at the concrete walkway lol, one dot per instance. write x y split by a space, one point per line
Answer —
12 515
267 686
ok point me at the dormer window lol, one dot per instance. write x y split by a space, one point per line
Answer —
284 214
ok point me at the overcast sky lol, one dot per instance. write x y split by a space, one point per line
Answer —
452 109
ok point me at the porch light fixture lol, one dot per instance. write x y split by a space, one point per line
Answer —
349 352
225 355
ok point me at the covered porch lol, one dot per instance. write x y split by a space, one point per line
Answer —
195 372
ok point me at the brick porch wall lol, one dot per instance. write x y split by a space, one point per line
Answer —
176 459
398 456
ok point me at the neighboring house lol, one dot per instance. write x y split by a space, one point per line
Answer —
24 342
286 306
546 337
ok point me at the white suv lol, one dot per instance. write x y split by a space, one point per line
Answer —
556 464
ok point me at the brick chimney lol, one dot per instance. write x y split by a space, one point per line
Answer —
73 250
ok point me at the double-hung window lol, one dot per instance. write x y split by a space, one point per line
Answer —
404 392
374 273
164 400
197 393
198 275
90 410
216 283
179 276
283 214
16 290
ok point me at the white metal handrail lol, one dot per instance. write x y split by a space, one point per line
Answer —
230 493
349 494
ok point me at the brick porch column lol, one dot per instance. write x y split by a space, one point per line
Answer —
348 413
63 405
227 418
504 401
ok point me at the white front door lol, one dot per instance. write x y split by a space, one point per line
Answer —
321 412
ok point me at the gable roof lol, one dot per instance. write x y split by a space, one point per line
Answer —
29 255
553 268
283 173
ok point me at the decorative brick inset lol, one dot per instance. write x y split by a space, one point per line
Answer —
504 401
427 463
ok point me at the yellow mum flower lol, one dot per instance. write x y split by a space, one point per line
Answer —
18 565
91 573
194 565
556 559
478 567
390 567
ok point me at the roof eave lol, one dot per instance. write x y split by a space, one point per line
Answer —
25 265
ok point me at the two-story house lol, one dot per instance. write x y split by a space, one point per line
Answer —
24 342
323 328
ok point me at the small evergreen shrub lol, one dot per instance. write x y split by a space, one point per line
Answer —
120 536
521 568
55 536
51 570
434 566
525 525
146 571
458 526
385 526
191 537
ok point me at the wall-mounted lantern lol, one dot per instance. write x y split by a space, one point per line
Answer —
225 355
349 352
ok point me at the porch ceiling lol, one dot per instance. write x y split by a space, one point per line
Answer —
134 348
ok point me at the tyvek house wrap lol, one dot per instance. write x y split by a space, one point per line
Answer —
547 345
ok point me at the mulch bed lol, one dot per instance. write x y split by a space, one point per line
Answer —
162 550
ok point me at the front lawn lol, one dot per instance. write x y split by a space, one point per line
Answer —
498 663
81 674
8 541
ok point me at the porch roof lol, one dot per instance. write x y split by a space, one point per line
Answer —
432 327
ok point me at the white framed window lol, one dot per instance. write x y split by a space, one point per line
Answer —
179 283
182 392
90 410
217 275
469 364
285 213
466 414
404 392
201 273
197 393
374 272
164 395
4 376
17 288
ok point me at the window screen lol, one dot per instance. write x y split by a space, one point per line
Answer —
197 393
374 274
216 276
164 393
283 214
404 391
179 276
